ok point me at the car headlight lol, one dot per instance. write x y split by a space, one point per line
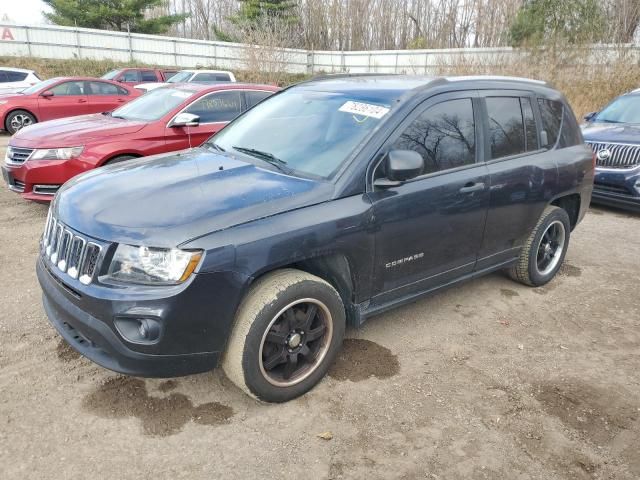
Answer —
56 153
164 266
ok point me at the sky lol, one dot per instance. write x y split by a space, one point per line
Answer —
23 11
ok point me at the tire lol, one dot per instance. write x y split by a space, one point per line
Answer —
286 314
544 251
121 158
19 119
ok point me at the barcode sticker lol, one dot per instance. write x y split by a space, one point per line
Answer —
364 109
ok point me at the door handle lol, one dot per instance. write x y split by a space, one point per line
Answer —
472 187
82 100
121 100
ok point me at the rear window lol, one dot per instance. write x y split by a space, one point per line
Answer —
570 134
211 77
506 126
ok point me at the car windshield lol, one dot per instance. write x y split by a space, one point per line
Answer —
180 77
153 105
304 131
39 86
624 109
110 75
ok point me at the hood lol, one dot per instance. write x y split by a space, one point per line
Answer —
611 133
164 201
72 131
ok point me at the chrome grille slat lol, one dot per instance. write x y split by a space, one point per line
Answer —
622 156
70 253
18 155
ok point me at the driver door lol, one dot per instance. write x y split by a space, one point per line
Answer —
215 111
68 99
429 229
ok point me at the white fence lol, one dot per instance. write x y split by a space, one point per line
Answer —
67 42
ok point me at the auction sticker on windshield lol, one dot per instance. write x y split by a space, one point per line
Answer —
364 109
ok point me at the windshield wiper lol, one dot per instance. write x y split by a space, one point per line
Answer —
270 158
216 146
606 120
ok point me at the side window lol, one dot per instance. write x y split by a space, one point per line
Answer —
254 97
148 76
530 130
3 77
68 88
103 88
444 135
16 76
551 114
131 76
217 107
506 126
570 134
169 73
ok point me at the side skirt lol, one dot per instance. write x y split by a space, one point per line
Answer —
369 309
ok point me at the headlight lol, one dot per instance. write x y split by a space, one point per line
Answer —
56 153
148 265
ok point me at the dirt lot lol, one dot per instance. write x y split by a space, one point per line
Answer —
488 380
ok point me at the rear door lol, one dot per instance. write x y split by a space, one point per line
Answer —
104 96
522 175
215 111
429 229
68 99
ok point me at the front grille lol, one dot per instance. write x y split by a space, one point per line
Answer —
18 155
70 253
619 155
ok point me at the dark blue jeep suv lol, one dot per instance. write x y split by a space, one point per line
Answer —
332 201
614 135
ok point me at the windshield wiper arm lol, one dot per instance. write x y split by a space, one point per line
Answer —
216 146
270 158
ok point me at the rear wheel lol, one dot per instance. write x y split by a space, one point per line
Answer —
288 331
544 251
19 119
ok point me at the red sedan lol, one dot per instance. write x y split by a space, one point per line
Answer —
42 157
61 97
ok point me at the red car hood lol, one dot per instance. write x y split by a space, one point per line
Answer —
72 131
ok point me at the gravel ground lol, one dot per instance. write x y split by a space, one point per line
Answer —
487 380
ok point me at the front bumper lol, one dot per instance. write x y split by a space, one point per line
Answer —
617 188
191 340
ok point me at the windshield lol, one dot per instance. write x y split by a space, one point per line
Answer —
39 86
624 109
110 75
153 105
180 77
306 131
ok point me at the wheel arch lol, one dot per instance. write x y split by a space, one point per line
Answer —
335 269
570 203
121 154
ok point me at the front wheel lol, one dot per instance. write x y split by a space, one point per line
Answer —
18 120
544 251
287 333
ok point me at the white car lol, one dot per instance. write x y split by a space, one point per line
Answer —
14 80
191 76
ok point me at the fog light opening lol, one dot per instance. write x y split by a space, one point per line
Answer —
138 330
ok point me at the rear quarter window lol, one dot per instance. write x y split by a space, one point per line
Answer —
559 123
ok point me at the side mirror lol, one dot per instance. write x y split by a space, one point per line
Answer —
185 120
400 166
47 93
590 116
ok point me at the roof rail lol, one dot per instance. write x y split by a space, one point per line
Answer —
329 76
